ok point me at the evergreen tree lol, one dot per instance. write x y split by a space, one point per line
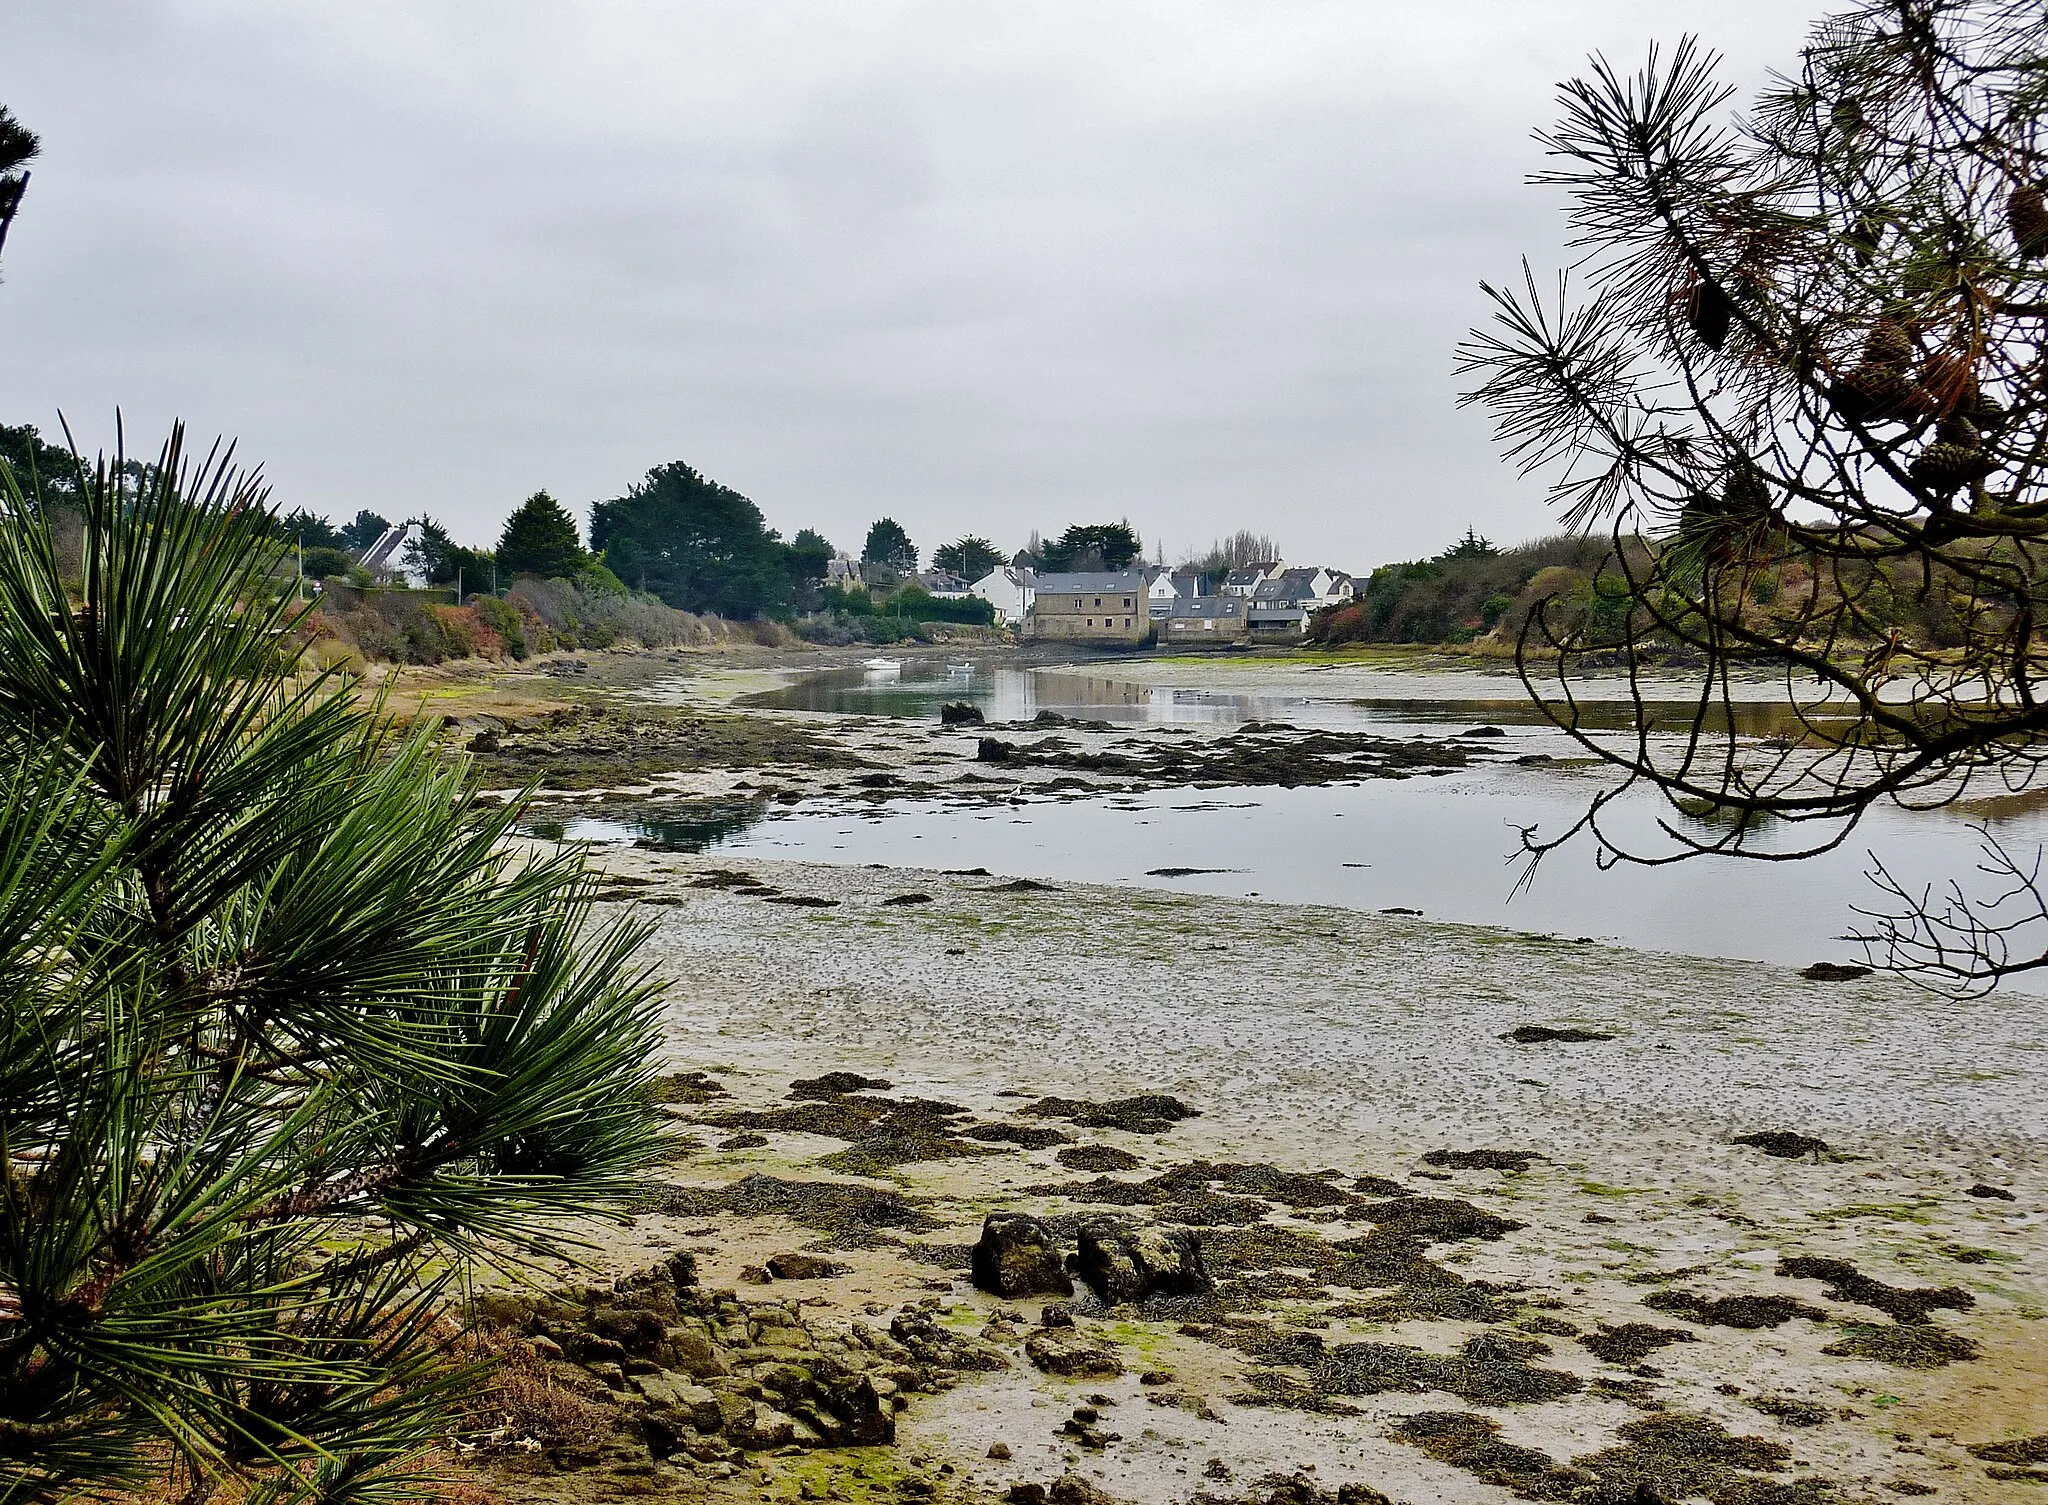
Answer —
1093 546
970 558
440 560
696 544
540 539
18 147
889 548
289 1035
1807 369
367 528
308 529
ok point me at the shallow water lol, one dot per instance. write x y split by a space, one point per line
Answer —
1448 846
1392 702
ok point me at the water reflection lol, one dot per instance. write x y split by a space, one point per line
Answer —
695 827
1003 692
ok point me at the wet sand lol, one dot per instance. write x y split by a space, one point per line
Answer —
1321 1038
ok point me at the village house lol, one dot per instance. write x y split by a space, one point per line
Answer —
944 585
1166 588
1008 589
1247 578
1282 605
1099 606
1194 620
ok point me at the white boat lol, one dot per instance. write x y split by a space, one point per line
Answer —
883 665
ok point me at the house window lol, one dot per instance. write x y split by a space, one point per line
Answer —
1090 622
1127 603
1098 600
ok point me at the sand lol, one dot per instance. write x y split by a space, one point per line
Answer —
1316 1037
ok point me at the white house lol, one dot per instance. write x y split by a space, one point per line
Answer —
1165 589
1009 589
1281 605
1247 578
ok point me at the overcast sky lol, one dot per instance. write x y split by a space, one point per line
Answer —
981 267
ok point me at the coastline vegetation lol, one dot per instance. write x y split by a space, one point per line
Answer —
291 1039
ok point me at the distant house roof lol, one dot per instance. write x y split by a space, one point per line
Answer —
1104 581
1296 585
1196 607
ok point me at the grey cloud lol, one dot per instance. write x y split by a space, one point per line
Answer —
979 267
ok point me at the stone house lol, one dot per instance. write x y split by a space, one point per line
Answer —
1196 620
1097 606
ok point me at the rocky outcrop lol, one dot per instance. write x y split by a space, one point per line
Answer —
1072 1352
700 1373
960 713
1124 1263
1017 1256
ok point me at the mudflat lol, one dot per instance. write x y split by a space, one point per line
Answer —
1417 1211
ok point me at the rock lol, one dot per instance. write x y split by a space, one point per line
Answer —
960 713
755 1426
1833 972
754 1275
1017 1257
1784 1145
693 1353
1000 1451
1070 1352
673 1400
1055 1315
1072 1489
801 1267
992 750
1544 1034
1129 1264
1997 1193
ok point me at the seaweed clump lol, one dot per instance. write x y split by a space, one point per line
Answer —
1667 1456
1790 1410
1783 1145
1845 1282
1545 1034
1097 1158
856 1216
1473 1443
1144 1113
836 1084
1490 1370
1746 1312
1632 1342
1482 1160
881 1132
685 1087
1907 1345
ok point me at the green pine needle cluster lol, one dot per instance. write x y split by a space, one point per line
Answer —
290 1038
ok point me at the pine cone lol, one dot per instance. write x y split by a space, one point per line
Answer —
1878 394
2026 211
1945 468
1710 313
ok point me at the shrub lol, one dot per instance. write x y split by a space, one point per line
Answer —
289 1037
